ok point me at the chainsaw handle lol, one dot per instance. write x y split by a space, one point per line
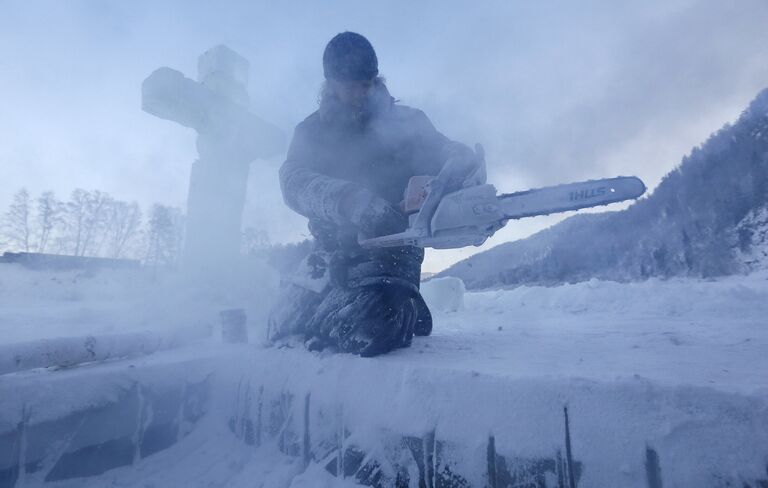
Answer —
435 192
415 194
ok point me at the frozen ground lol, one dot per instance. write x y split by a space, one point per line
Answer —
676 363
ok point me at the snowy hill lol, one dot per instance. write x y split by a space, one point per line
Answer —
706 218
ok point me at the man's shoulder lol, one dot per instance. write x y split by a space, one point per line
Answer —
410 118
401 114
312 121
406 112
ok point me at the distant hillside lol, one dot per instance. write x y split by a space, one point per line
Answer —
708 217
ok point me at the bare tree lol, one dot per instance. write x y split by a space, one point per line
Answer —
85 216
74 218
16 224
123 227
48 219
164 235
97 211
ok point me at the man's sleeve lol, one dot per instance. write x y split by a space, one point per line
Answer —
307 191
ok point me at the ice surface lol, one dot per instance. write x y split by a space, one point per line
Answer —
699 432
677 365
679 331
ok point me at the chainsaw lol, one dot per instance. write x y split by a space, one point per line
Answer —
468 217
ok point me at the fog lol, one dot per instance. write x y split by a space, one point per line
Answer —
554 91
211 357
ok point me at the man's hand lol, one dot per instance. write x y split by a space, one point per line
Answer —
373 216
463 168
381 219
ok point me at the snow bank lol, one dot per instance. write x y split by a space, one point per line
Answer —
731 297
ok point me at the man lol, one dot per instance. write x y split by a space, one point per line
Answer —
346 171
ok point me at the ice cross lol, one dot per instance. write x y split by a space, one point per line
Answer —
229 138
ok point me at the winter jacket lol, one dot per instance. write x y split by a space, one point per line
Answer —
379 148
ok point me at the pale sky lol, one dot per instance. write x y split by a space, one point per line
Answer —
555 91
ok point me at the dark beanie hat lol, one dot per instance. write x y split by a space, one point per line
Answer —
350 57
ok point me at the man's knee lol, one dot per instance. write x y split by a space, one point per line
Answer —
423 325
367 320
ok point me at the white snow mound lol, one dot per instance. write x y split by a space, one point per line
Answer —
444 294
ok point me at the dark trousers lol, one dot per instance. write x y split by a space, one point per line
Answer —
367 314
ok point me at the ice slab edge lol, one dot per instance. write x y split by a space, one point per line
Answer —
388 423
64 424
383 422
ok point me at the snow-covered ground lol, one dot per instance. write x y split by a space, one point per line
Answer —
675 332
40 304
680 365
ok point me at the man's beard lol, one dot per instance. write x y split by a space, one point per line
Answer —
358 115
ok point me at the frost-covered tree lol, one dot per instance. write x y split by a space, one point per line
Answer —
17 222
255 241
